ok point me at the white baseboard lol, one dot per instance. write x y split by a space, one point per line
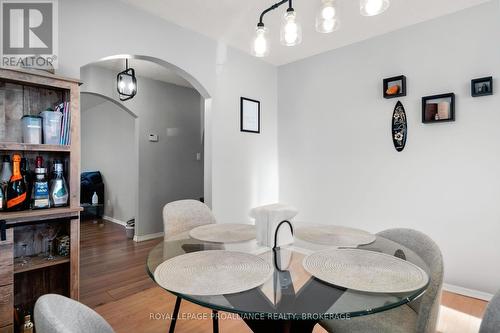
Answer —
111 219
136 237
148 237
468 292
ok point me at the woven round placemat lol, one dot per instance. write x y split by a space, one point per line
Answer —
365 271
336 236
214 272
224 233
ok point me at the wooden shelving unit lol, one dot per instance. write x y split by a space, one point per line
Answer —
26 147
39 262
40 215
27 92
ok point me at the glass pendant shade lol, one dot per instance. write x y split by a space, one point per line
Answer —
373 7
126 83
260 46
291 31
327 19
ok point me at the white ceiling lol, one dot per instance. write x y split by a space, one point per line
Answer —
234 21
145 69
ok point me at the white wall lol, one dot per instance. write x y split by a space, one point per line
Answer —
168 169
108 135
336 157
243 167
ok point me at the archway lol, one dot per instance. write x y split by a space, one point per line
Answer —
108 159
91 88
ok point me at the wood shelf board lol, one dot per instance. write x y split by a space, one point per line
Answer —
39 214
41 73
40 262
16 146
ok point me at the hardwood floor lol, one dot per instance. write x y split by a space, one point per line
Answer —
114 282
111 266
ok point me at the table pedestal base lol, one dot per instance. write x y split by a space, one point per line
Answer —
281 326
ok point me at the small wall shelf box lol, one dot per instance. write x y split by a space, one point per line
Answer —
395 87
482 87
438 108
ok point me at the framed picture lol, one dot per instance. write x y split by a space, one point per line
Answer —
438 108
250 115
482 87
395 87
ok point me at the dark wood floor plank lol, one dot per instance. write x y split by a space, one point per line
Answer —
111 265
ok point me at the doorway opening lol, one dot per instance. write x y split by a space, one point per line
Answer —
137 155
149 150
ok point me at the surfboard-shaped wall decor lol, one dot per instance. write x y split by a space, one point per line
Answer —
399 127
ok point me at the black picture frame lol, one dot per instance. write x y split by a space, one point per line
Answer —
481 87
245 127
388 82
430 107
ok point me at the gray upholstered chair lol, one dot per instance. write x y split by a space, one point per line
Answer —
491 319
59 314
419 316
184 215
179 217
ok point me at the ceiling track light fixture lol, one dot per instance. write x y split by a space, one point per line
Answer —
327 21
126 83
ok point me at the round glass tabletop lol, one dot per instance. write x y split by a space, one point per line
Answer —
291 293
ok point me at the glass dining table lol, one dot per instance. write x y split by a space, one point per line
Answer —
292 300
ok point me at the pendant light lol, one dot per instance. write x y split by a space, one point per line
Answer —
260 43
291 31
373 7
327 19
126 83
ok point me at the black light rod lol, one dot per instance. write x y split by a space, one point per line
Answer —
273 7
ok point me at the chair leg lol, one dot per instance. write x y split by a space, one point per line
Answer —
175 314
215 321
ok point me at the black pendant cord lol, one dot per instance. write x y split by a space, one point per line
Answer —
276 232
126 63
273 7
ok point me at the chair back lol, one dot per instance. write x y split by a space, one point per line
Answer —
183 215
491 319
427 306
58 314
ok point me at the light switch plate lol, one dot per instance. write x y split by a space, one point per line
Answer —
153 137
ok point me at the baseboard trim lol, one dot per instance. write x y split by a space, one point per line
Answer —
111 219
468 292
148 237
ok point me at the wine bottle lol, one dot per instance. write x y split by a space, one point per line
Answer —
28 325
58 187
4 178
40 193
25 172
6 170
2 198
16 189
